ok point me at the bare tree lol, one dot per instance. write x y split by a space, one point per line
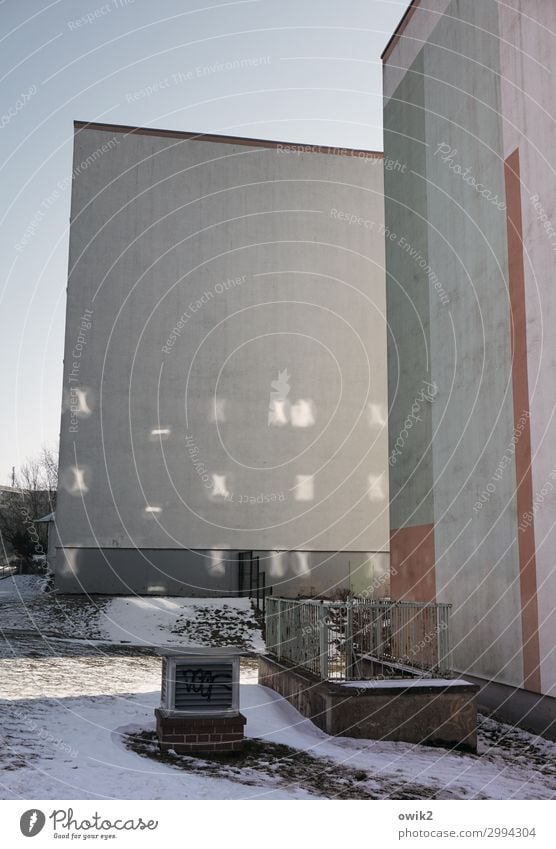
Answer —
33 496
49 465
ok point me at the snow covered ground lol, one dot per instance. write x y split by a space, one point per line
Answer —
132 620
16 588
78 721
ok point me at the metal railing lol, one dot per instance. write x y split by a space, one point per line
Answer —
252 581
361 638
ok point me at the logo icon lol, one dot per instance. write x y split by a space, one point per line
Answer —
32 822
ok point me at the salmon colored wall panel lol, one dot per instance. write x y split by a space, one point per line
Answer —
412 572
520 385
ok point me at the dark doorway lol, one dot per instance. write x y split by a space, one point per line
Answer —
251 580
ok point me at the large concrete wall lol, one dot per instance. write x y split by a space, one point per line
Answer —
224 374
468 551
528 68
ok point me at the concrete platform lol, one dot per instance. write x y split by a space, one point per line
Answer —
435 711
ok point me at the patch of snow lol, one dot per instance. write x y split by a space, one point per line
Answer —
18 587
67 705
133 620
182 621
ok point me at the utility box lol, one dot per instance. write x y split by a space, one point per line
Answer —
200 684
199 707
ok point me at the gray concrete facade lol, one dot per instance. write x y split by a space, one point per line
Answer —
224 372
470 296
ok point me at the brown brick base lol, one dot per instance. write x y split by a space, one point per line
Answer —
438 712
187 735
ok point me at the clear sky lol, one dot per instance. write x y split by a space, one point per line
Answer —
154 64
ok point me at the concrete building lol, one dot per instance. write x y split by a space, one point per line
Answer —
224 374
470 193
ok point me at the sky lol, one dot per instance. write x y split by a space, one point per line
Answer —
317 80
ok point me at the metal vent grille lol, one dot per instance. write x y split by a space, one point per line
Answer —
203 687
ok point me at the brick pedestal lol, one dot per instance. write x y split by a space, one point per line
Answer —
188 735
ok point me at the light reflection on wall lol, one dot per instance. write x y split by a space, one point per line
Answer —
376 488
76 480
82 402
160 433
277 564
300 414
301 566
303 413
376 415
79 401
68 565
219 488
217 563
278 412
304 489
279 406
217 410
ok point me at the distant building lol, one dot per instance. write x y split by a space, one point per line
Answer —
470 215
224 371
6 494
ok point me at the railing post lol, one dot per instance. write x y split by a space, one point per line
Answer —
443 642
279 629
323 643
349 640
449 658
264 593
